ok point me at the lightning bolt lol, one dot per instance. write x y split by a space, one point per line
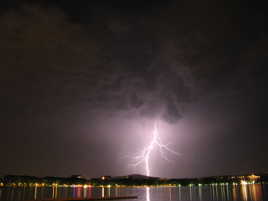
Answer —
144 157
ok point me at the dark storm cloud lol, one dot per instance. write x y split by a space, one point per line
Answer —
65 67
148 65
51 61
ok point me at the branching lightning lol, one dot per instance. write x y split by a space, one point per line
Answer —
144 157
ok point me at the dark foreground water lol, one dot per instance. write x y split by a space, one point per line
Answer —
251 192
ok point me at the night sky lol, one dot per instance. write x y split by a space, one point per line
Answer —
82 83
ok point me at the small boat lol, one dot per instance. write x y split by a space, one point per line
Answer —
93 199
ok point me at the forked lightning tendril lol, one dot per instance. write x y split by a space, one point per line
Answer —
144 157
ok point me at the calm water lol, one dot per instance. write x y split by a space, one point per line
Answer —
253 192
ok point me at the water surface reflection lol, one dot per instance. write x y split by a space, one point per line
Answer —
252 192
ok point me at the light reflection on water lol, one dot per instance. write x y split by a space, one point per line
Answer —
252 192
148 194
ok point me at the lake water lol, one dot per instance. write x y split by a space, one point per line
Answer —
250 192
